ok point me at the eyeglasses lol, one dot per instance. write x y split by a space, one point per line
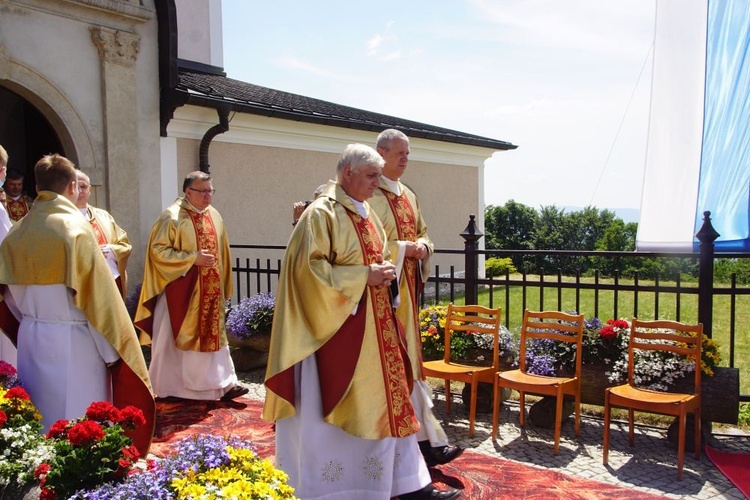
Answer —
203 191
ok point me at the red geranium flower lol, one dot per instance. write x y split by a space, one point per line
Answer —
42 470
102 411
131 453
131 417
85 432
608 333
620 323
17 393
57 429
3 418
47 494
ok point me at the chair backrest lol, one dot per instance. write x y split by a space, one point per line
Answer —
473 319
555 326
666 336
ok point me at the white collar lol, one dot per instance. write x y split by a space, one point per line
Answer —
193 207
360 206
394 186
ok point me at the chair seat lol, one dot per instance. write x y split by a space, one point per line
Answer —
453 368
518 377
630 393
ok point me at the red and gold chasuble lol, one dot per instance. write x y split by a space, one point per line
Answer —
17 209
209 282
406 225
397 379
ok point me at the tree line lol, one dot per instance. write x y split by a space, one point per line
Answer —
515 226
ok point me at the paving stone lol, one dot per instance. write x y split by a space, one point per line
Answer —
649 466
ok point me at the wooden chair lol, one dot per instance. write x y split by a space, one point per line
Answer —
470 319
669 336
558 327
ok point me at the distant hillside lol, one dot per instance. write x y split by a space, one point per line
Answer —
626 214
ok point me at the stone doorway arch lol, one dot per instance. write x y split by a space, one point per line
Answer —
51 112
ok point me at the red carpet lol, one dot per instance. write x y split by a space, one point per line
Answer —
736 466
481 477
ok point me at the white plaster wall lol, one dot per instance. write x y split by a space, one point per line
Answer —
199 33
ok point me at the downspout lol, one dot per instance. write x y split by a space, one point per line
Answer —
217 129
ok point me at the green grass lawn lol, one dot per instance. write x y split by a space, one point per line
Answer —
667 309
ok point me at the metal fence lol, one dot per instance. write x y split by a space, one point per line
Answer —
719 306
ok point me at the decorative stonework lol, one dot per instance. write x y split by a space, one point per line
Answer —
133 9
116 46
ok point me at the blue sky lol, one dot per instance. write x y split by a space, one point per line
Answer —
568 81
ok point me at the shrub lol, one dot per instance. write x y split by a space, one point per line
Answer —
496 266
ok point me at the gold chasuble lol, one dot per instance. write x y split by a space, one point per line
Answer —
54 245
107 232
195 294
364 380
402 220
17 209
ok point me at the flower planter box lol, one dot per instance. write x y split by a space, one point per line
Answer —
720 393
250 353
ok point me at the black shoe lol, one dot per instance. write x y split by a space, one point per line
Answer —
445 454
439 455
429 492
234 393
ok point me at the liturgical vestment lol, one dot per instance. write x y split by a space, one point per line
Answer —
181 310
338 379
115 238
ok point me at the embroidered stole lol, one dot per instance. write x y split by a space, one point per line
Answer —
209 282
17 208
392 353
101 237
406 225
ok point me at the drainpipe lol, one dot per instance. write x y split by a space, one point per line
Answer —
217 129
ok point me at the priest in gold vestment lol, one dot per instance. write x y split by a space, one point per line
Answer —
338 378
112 239
17 203
76 342
187 280
398 209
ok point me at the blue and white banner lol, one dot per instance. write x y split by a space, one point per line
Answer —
698 154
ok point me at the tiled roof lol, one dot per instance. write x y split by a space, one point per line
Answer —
212 90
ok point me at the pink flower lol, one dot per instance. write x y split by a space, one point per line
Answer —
85 432
6 369
103 411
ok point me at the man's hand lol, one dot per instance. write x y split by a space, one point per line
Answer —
297 209
205 259
381 274
416 250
